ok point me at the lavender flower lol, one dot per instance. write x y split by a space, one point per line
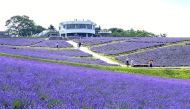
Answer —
66 55
122 47
169 56
52 43
42 85
20 41
101 40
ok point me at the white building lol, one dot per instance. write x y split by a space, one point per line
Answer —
104 32
77 28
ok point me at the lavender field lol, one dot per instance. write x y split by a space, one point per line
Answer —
28 84
122 47
52 43
102 40
32 84
107 45
31 51
97 40
20 41
169 56
159 39
65 55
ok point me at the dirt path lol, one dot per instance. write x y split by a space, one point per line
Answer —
86 50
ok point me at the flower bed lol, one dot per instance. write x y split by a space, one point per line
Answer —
31 84
66 55
170 56
53 43
101 40
20 41
122 47
97 40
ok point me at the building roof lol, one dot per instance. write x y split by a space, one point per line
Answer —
78 22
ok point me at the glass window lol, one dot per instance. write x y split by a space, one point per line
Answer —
89 26
77 26
82 26
70 26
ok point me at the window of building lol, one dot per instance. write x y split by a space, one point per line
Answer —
89 26
78 26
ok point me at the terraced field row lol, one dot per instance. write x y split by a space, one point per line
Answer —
163 51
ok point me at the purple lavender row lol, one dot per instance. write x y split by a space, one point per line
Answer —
53 43
170 56
122 47
100 40
97 40
53 54
86 41
20 41
67 52
43 85
159 39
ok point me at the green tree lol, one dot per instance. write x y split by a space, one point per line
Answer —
119 30
38 29
51 27
130 33
22 26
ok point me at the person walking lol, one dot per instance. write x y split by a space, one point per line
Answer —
79 44
57 45
127 61
132 63
150 63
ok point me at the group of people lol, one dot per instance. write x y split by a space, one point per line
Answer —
150 62
127 62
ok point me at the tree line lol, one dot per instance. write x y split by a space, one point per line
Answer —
24 26
119 32
130 33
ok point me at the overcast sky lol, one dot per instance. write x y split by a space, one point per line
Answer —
158 16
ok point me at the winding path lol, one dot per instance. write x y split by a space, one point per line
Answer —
86 50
